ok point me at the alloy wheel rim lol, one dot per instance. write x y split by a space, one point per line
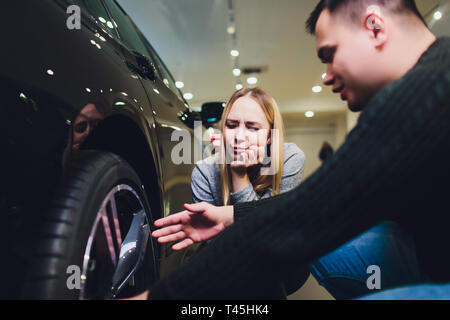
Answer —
105 240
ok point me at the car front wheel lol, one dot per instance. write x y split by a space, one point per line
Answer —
95 242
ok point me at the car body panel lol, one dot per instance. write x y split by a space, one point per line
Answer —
50 78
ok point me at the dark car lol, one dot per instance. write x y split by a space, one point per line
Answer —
87 122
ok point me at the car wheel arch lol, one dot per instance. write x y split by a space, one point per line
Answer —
130 143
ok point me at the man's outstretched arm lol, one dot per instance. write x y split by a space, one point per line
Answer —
199 222
346 196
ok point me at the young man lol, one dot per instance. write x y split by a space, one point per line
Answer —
381 58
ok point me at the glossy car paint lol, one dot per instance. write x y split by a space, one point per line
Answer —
49 75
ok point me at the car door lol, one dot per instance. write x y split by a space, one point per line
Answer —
49 74
170 111
174 127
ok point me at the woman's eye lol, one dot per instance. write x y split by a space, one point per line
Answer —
231 126
253 129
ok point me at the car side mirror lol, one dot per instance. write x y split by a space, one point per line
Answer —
212 113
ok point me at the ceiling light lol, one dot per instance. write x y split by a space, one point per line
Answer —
437 15
102 20
50 72
317 89
239 86
234 53
324 75
188 96
110 25
179 84
236 72
252 80
309 114
231 29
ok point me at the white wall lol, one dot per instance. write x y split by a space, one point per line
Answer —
310 140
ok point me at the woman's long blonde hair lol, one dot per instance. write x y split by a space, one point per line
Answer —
273 115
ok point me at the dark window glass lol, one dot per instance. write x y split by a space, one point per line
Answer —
134 40
167 77
127 32
98 11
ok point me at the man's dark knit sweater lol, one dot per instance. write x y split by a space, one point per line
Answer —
395 165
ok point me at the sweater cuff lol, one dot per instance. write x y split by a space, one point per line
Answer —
243 195
241 210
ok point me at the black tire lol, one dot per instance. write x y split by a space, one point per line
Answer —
64 234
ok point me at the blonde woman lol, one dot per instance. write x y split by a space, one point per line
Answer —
253 162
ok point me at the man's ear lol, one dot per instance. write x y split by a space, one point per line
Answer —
376 27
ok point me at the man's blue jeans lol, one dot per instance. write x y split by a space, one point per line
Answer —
415 292
344 272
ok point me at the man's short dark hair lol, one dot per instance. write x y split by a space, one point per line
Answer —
354 7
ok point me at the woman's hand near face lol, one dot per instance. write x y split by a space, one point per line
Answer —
215 139
253 156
